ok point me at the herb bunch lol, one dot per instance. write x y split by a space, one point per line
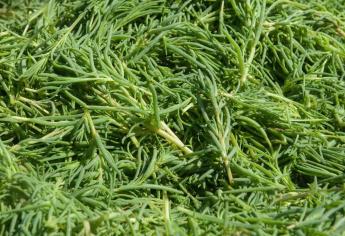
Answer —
172 117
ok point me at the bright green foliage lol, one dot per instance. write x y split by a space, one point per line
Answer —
162 117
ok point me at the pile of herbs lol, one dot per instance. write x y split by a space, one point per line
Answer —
162 117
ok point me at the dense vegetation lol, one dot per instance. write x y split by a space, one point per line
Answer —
162 117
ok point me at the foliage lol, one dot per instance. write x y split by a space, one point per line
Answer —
172 117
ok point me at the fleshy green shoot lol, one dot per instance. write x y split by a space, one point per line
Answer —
159 117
